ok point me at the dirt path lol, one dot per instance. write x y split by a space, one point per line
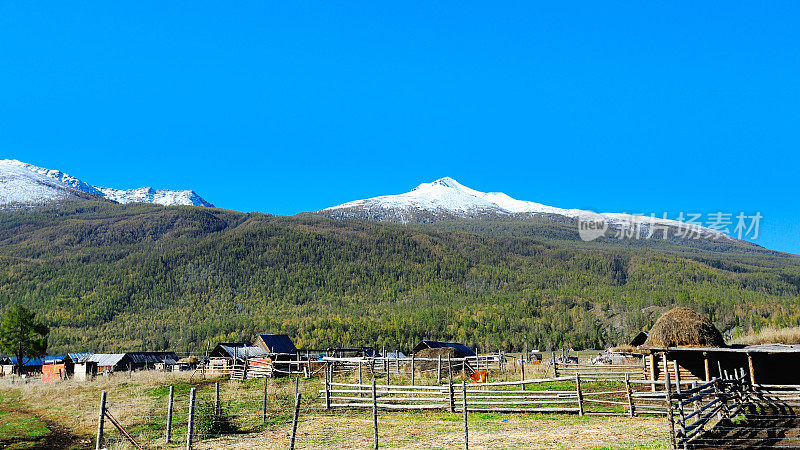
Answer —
58 437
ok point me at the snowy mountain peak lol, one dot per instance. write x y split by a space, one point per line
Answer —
445 182
447 197
22 183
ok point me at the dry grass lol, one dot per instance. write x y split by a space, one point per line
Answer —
442 431
684 327
624 348
771 336
139 403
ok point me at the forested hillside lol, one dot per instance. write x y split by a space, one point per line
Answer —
127 277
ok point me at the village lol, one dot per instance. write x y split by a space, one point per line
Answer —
680 377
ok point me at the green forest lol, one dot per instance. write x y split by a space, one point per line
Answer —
109 277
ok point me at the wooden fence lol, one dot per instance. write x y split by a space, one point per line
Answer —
241 369
600 372
506 396
692 411
566 394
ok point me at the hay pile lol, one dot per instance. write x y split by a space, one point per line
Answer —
682 327
434 353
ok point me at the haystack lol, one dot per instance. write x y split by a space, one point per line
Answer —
434 353
683 327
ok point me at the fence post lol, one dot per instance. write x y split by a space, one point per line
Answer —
679 392
522 375
375 413
466 427
580 394
216 400
439 370
328 391
630 395
99 443
264 403
360 380
169 413
500 363
450 384
670 417
413 369
190 426
294 418
553 360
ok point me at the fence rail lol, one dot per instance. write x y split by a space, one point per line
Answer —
600 372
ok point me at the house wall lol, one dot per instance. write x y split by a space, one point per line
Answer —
83 372
53 372
218 365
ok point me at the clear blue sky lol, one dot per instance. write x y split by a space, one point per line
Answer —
285 107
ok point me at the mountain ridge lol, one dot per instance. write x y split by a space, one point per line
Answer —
27 184
446 198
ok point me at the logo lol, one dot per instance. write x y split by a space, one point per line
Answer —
591 226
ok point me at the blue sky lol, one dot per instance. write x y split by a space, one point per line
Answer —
285 107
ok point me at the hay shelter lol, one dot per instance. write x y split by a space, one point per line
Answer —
683 327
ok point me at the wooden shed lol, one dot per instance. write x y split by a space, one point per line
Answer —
224 354
765 364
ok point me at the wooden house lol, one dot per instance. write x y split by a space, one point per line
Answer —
222 357
78 368
30 365
113 362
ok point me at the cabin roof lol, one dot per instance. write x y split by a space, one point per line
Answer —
761 348
238 350
276 343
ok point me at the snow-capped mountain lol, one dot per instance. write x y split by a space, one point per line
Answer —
447 198
26 184
164 197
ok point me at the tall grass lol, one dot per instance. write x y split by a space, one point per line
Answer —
771 335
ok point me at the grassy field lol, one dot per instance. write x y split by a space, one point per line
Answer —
38 415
